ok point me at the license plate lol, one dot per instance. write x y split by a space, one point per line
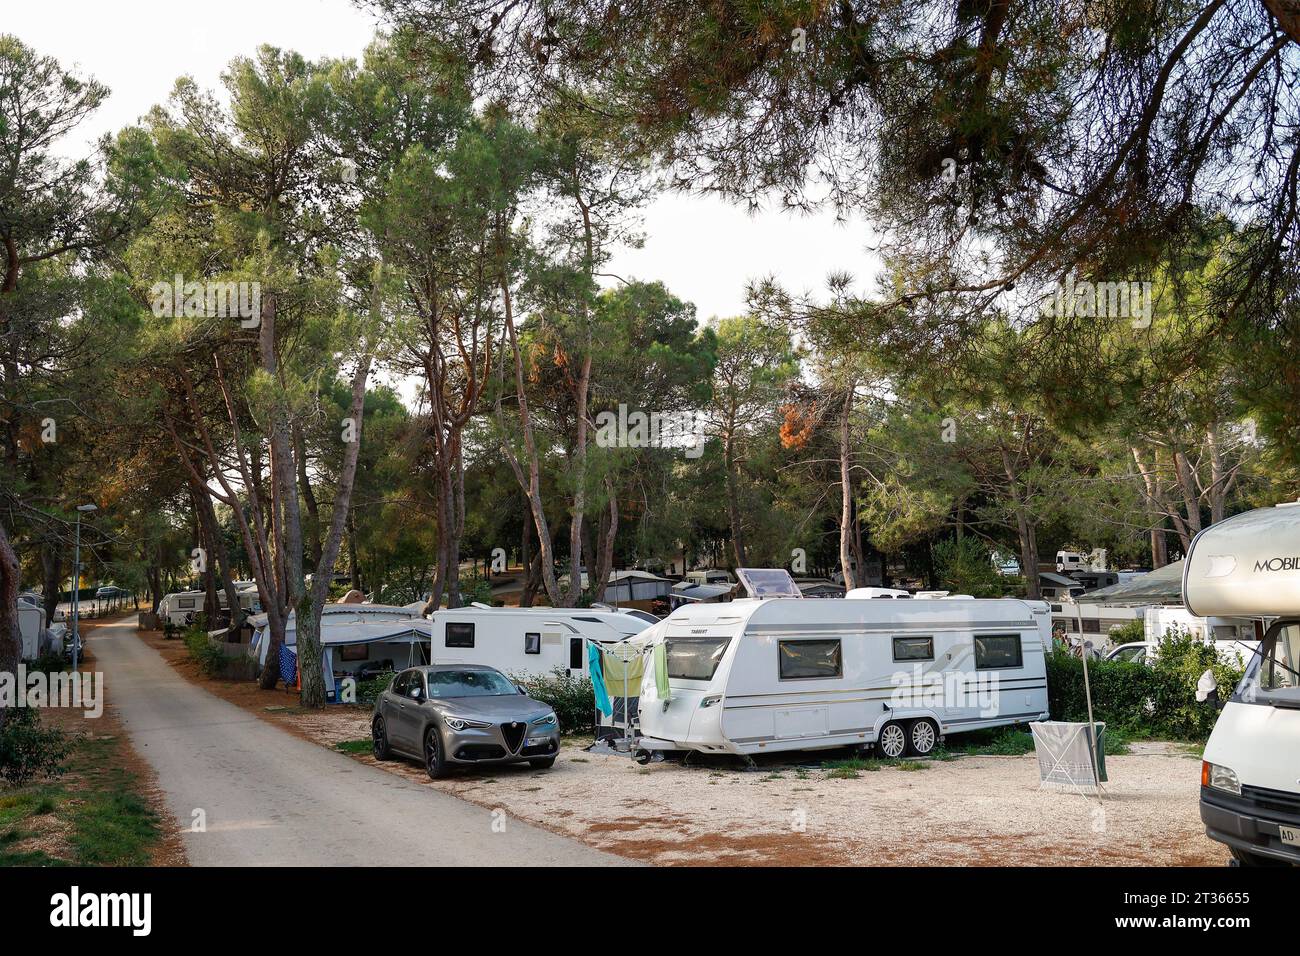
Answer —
535 741
1289 835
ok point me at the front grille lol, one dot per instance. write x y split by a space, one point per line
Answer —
1277 801
513 734
480 752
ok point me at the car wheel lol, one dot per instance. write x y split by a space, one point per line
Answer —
922 736
379 740
542 763
433 758
892 742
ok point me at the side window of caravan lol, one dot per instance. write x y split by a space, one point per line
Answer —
185 602
994 651
809 659
460 634
575 654
914 648
533 642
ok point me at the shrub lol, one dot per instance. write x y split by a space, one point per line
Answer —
1140 700
572 698
368 690
1128 633
28 750
962 565
203 652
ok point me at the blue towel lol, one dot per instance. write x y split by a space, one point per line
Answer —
288 665
598 679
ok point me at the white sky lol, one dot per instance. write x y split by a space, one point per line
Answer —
702 249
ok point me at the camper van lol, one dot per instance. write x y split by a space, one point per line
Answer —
1247 566
781 673
527 641
712 576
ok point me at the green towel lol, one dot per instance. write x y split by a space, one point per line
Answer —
661 672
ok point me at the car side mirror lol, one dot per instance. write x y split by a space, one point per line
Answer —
417 693
1207 689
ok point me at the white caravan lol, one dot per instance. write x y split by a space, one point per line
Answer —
35 637
528 641
180 608
1249 566
761 676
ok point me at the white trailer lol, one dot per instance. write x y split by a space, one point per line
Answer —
180 608
760 676
527 641
1249 566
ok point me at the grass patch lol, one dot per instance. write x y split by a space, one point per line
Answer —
98 804
353 746
995 742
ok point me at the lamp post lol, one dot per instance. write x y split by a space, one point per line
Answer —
76 587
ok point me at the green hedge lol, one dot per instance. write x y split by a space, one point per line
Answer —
1140 700
571 697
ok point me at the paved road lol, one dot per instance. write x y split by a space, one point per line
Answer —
272 799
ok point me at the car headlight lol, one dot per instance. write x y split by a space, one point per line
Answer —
545 720
460 723
1219 777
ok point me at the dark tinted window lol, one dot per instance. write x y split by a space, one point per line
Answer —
808 659
460 634
532 643
400 683
415 685
914 648
998 650
575 653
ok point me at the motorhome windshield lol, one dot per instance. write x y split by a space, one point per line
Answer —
695 658
1275 678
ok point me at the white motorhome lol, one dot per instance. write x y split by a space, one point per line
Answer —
1249 566
710 576
528 641
761 676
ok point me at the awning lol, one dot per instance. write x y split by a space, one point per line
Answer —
1161 586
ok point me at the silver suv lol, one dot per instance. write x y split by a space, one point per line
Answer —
447 714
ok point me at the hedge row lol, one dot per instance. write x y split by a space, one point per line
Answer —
1143 701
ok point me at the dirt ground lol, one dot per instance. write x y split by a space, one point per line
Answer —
49 832
970 811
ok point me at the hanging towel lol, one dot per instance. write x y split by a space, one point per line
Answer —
662 689
598 679
620 673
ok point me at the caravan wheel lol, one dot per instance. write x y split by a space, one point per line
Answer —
923 736
892 742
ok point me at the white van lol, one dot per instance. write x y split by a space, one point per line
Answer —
1249 566
761 676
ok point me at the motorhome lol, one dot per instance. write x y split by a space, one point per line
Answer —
778 673
711 576
1247 566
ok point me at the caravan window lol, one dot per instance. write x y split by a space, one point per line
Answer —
460 634
801 660
575 654
533 643
695 658
185 602
914 648
995 651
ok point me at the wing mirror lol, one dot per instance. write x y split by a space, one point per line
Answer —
417 693
1207 688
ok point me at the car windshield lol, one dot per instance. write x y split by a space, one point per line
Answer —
469 683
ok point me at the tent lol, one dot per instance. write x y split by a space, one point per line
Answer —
1161 586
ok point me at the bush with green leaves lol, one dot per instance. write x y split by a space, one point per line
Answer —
1143 701
963 566
368 690
571 697
28 750
203 652
1130 632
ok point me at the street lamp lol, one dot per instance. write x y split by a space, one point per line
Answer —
76 586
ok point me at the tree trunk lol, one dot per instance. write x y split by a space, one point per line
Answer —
733 497
846 495
51 575
10 639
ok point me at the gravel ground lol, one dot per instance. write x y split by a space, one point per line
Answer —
973 811
968 811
